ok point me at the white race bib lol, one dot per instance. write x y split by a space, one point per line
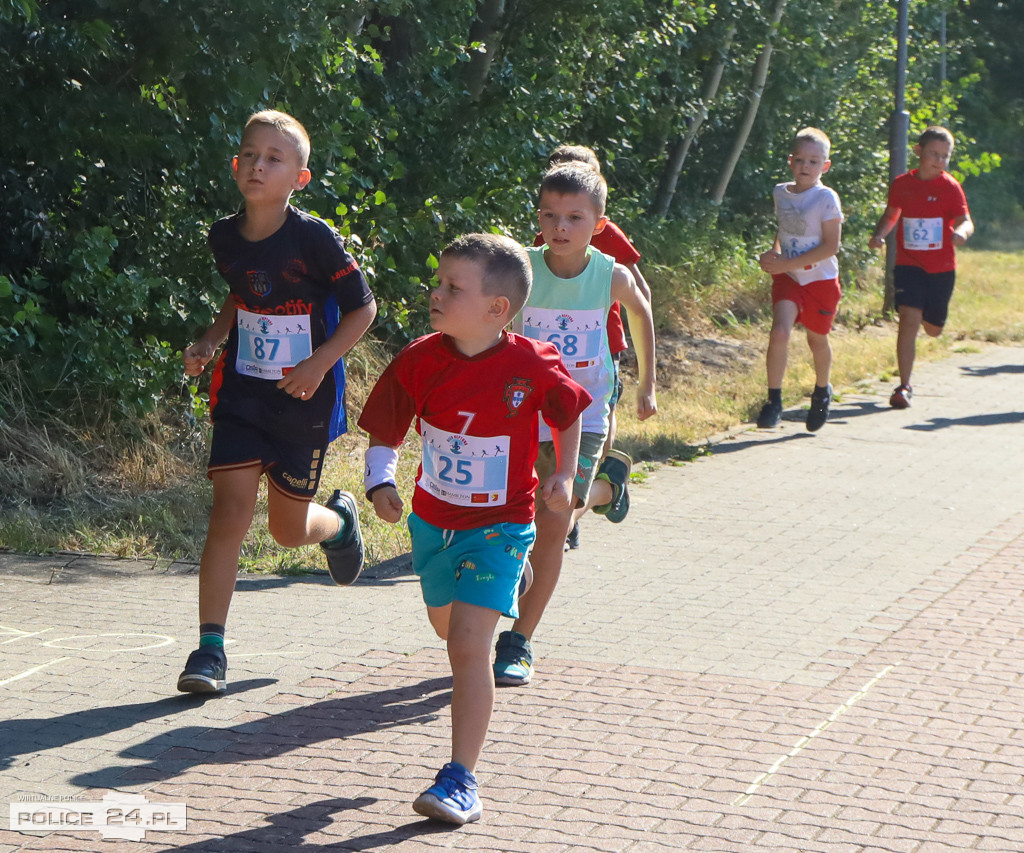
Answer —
269 345
579 335
922 235
464 470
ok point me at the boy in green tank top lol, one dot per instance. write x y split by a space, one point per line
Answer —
574 286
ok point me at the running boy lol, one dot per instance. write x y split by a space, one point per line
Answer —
931 209
475 391
612 241
276 397
574 286
805 274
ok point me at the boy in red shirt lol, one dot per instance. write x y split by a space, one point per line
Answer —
931 211
475 392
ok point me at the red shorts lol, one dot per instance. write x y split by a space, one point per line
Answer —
816 301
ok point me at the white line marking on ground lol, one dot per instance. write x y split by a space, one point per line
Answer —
29 672
743 798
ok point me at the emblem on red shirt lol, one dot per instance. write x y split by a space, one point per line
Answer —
516 391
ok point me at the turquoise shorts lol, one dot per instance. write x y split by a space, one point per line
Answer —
481 566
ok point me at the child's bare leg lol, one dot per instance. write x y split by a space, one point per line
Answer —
821 353
784 314
470 634
294 522
546 559
234 503
906 341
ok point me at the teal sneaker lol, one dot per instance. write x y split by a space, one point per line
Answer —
452 798
614 470
513 659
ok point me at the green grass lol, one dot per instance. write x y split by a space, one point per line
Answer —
72 482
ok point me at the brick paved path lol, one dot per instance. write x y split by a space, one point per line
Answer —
798 643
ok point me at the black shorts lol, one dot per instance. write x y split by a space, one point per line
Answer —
293 468
929 291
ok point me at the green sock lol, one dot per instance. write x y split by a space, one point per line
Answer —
211 634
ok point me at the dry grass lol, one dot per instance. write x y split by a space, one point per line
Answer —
76 481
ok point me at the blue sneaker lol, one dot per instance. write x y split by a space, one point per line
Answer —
513 659
452 798
344 557
205 671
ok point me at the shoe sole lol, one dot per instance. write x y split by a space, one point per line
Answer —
511 681
351 557
431 807
201 684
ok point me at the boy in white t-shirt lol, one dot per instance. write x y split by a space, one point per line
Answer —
805 274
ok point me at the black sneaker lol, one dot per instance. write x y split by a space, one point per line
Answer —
572 541
818 413
205 671
771 414
345 557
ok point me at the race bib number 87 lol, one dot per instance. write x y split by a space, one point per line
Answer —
270 345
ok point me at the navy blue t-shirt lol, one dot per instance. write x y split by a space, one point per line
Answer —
289 290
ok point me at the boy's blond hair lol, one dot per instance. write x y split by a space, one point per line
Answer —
813 136
505 266
570 178
286 124
574 154
935 133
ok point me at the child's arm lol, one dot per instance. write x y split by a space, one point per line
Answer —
556 490
775 263
641 326
884 226
963 228
383 493
303 379
199 354
641 282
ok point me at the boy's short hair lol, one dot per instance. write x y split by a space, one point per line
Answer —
288 125
934 133
570 178
812 135
505 265
574 154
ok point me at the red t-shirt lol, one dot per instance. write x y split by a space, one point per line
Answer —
928 209
612 241
477 422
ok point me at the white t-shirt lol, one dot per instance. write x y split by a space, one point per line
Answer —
800 216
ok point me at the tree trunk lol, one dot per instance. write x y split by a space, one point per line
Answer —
753 102
681 147
485 29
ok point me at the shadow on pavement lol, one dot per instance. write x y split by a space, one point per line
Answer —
287 830
34 734
994 419
174 752
993 370
388 573
736 446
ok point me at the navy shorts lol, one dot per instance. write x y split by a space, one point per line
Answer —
929 291
293 468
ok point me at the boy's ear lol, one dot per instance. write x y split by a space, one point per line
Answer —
600 224
499 307
304 178
917 150
234 165
826 166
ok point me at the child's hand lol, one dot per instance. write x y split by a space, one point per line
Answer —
646 406
302 380
877 242
387 504
771 261
958 239
196 357
557 492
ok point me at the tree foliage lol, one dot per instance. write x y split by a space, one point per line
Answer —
427 120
